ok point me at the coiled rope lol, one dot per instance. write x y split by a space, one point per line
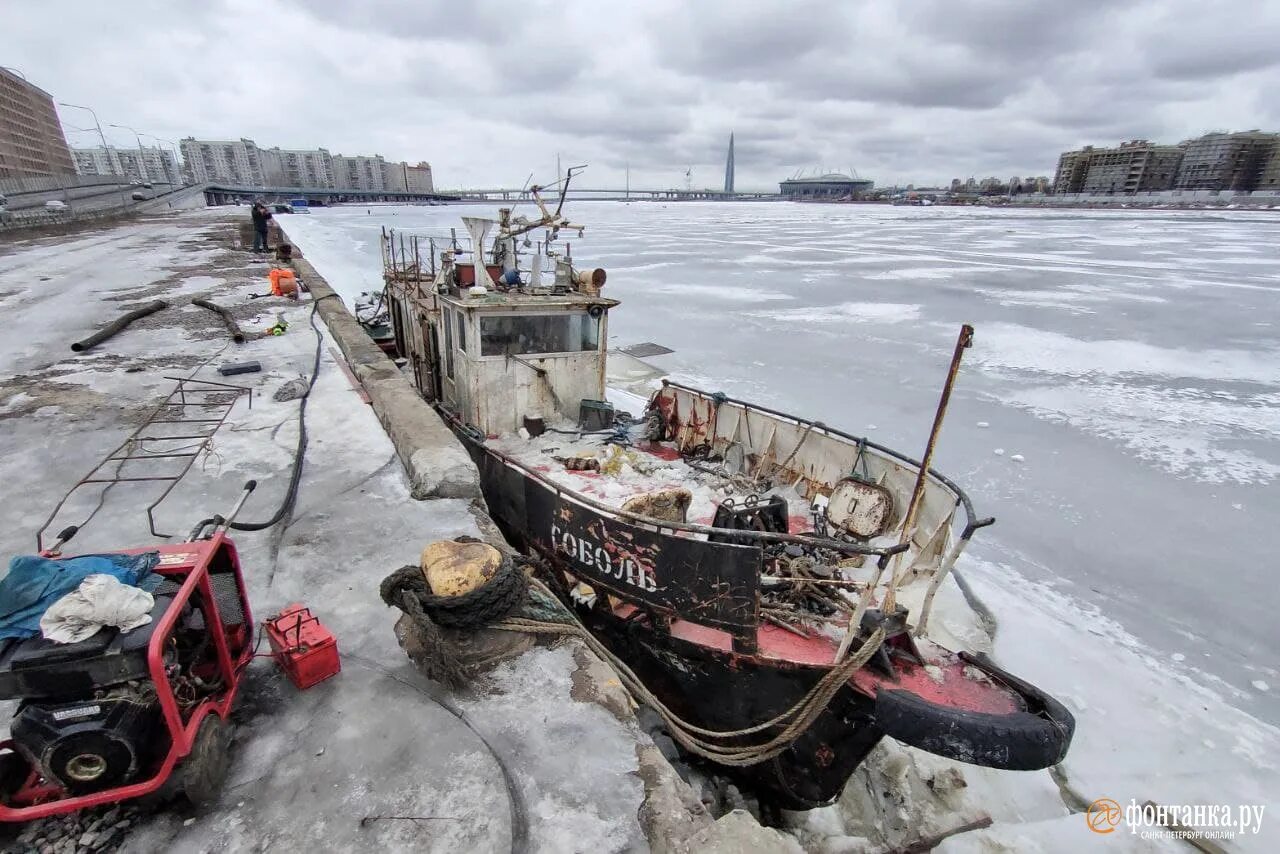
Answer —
407 589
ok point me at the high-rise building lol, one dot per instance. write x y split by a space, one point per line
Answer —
1270 182
146 165
1073 166
1227 161
728 168
243 163
32 143
401 177
360 172
236 162
1132 167
306 169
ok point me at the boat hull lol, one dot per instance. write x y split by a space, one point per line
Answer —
727 691
716 689
681 612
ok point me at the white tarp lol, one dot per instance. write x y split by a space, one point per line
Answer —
100 600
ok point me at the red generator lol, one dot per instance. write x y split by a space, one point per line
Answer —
118 716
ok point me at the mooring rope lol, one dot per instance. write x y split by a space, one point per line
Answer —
794 721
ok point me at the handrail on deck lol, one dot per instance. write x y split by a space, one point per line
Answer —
972 523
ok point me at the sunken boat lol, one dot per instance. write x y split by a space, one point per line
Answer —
762 580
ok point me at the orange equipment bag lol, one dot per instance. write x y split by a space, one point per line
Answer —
283 282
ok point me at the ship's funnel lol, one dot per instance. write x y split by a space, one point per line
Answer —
478 227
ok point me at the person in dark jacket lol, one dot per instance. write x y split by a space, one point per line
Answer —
260 216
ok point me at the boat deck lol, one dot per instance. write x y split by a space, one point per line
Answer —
644 467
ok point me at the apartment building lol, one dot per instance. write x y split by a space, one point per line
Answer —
401 177
1132 167
308 169
1270 182
1237 162
1073 167
145 165
32 143
243 163
360 172
236 162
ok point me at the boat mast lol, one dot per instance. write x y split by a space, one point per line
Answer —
963 342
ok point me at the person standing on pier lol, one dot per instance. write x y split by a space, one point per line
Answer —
260 216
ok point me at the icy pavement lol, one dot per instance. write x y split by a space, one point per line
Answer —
369 759
1117 414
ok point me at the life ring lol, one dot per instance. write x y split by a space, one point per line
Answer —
596 311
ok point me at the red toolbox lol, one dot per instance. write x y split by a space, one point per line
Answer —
303 647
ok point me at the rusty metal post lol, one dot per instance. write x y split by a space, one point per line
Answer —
963 342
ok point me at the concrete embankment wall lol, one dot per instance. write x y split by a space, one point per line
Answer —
434 460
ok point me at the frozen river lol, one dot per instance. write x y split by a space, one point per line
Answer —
1119 412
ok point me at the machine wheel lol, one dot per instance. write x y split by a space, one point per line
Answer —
206 767
13 772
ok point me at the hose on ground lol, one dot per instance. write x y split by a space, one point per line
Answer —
118 325
233 328
299 454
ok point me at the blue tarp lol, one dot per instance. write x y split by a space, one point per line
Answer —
34 583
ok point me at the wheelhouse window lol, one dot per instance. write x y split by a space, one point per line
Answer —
462 331
524 334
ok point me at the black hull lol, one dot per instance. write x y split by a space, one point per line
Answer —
727 691
722 691
710 673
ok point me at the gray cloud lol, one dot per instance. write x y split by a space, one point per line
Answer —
901 90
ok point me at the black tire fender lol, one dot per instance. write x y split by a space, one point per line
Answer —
1018 741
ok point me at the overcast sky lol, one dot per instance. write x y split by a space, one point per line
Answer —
488 91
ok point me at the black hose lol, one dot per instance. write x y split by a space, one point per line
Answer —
118 325
233 328
515 800
291 494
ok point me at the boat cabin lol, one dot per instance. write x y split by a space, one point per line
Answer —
508 355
